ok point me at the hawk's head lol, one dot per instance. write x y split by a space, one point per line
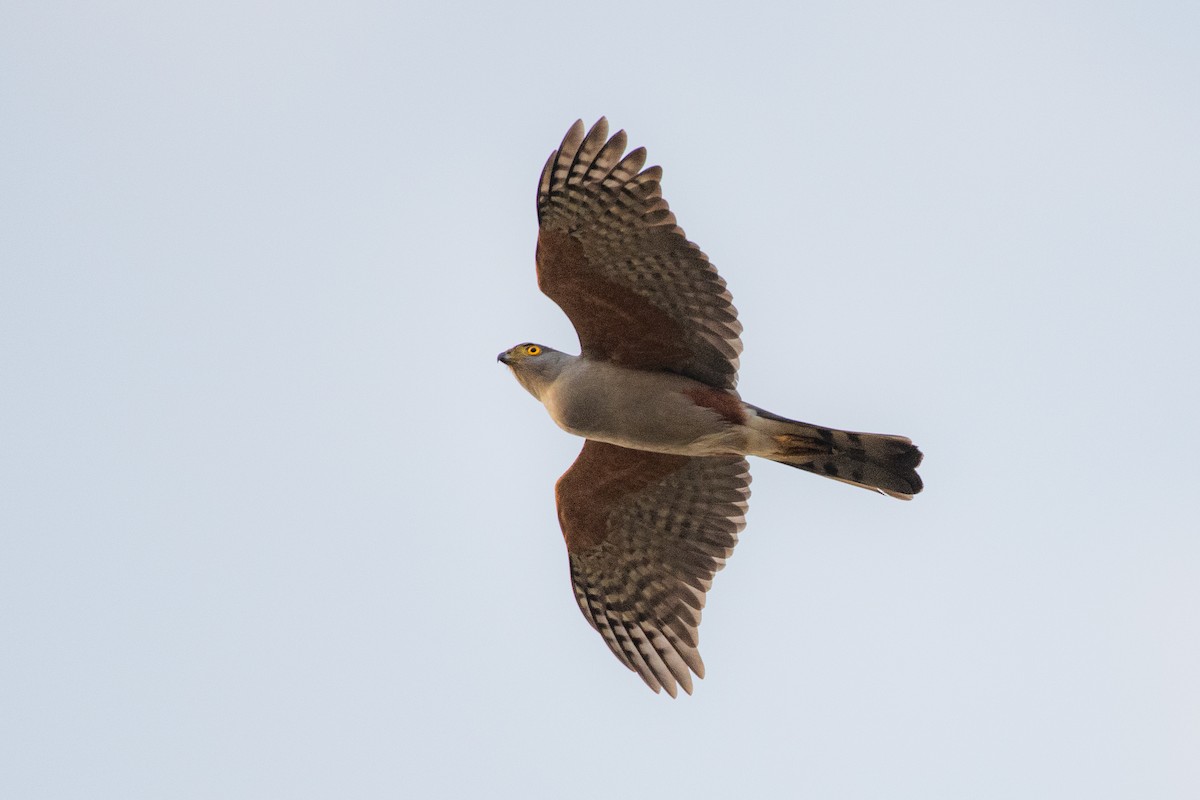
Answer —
535 366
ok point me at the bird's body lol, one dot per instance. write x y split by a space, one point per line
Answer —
661 412
640 409
652 507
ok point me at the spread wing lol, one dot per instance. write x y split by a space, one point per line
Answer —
610 254
645 534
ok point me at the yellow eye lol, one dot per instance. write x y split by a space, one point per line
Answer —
532 349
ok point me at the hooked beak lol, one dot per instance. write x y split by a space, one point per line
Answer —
503 358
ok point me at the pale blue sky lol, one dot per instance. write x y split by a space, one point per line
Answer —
275 524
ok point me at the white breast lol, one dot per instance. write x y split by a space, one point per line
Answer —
637 409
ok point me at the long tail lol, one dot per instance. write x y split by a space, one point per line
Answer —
877 461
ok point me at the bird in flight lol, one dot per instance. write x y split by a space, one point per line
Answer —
653 505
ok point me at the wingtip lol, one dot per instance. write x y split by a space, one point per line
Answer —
573 138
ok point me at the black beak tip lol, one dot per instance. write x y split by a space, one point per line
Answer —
502 359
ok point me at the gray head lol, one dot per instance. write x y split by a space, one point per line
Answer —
534 365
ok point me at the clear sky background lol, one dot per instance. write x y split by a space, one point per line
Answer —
274 523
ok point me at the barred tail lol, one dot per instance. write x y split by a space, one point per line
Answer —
887 464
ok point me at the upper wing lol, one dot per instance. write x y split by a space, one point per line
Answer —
610 254
645 533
